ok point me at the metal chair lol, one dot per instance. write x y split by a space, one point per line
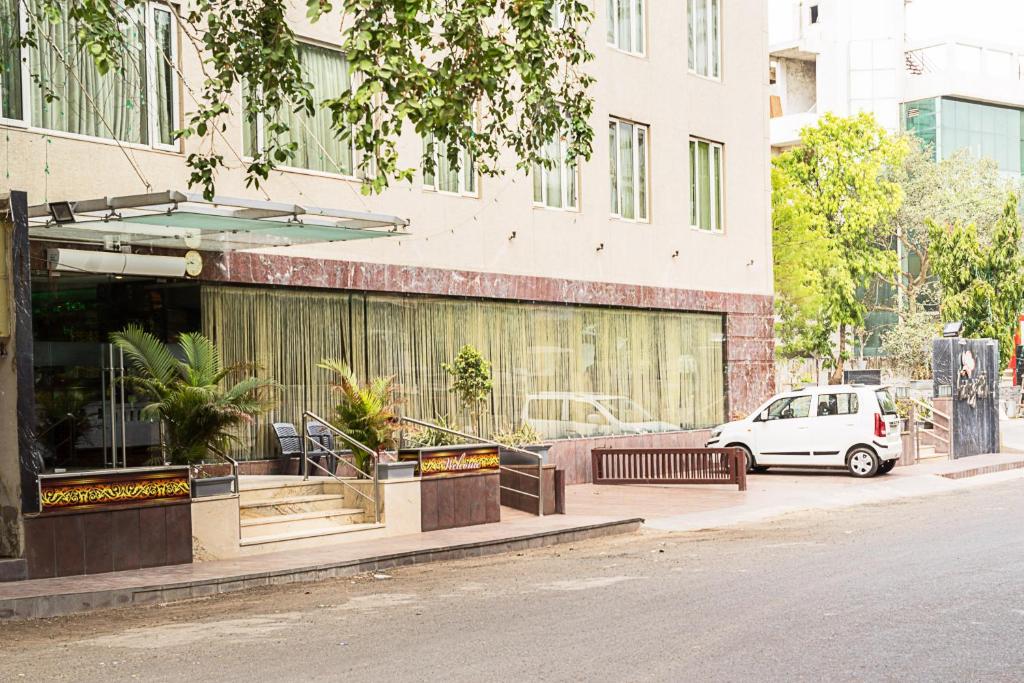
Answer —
290 441
323 439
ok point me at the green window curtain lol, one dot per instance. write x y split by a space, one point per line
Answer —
714 42
429 177
665 363
70 95
627 171
693 183
166 116
613 164
701 27
691 59
625 26
638 25
468 172
641 174
704 185
538 183
553 176
11 106
716 186
571 186
610 10
319 148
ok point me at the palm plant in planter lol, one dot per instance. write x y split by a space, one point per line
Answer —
197 411
366 412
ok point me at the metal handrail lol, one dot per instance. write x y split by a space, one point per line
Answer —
375 499
929 407
479 439
234 469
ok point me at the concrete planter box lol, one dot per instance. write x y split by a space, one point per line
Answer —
396 470
510 457
212 486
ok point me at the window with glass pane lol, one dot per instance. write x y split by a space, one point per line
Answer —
318 145
706 185
71 95
11 106
703 33
164 58
626 29
555 187
984 130
628 152
446 177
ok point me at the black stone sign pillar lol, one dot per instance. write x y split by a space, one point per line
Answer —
967 370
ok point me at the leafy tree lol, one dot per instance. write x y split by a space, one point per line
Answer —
471 381
958 189
483 75
366 412
832 199
908 344
981 285
198 414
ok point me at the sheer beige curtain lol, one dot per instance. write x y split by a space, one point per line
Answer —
667 364
319 149
10 60
70 95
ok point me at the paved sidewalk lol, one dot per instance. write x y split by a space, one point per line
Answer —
779 492
595 511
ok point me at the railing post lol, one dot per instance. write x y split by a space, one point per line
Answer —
540 487
376 490
303 438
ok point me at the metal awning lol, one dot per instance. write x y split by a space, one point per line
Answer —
184 220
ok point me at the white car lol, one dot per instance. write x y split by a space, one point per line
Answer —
850 426
560 414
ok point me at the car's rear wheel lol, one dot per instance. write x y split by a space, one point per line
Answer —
886 467
863 463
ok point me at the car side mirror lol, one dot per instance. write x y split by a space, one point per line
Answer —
763 417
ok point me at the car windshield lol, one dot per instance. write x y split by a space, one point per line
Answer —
626 410
885 402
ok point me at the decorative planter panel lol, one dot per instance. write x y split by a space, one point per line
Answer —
112 488
446 461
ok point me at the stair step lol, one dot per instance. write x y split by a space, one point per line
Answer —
300 516
291 505
313 533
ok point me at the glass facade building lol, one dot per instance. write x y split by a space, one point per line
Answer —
985 130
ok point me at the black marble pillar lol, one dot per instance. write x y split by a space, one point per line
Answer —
968 371
22 278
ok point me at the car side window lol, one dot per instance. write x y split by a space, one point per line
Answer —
790 407
837 404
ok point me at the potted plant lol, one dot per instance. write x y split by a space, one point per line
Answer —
365 412
197 411
523 437
471 381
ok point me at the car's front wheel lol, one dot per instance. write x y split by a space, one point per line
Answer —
863 463
751 466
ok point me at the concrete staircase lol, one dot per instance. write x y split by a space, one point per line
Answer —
286 513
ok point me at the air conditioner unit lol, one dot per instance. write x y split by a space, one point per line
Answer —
80 261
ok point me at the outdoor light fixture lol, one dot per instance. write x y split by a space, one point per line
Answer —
953 329
62 212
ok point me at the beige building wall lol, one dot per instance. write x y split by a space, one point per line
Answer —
464 233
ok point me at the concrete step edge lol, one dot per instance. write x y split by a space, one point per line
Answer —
300 516
291 500
313 533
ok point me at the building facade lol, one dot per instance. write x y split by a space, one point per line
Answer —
945 71
622 295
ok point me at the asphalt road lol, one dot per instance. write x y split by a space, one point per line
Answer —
928 589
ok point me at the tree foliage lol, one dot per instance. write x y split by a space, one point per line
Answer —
481 75
198 414
958 189
908 344
981 285
832 199
471 380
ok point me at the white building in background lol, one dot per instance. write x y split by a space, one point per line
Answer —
951 72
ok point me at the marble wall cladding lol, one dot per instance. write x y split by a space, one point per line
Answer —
749 317
21 262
